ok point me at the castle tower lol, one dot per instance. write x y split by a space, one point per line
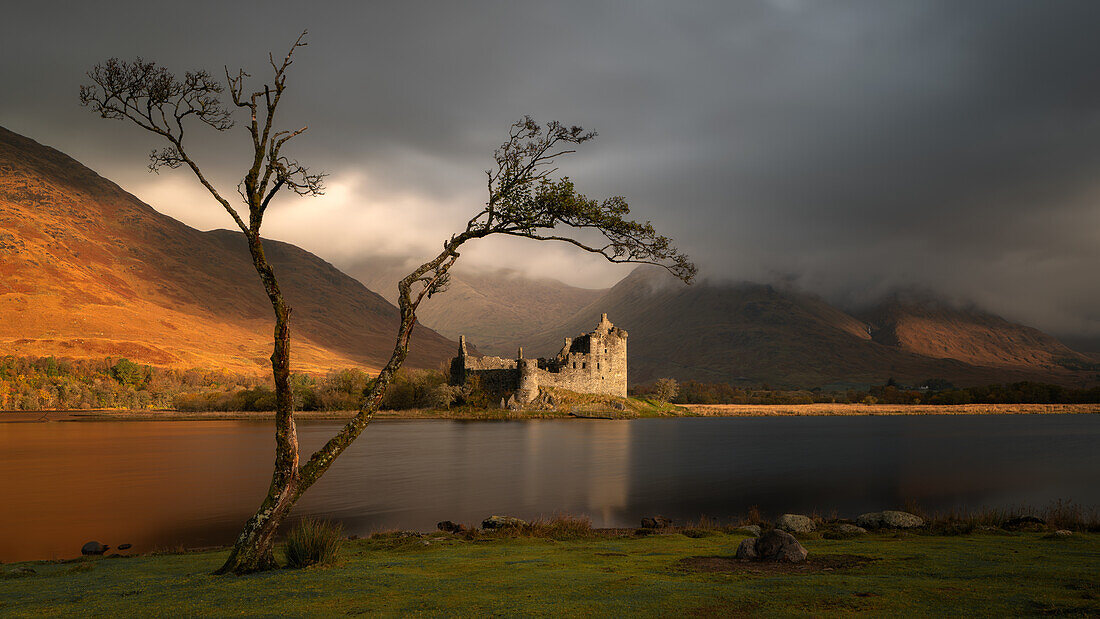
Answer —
528 388
458 364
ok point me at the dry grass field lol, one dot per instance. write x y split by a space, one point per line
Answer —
638 408
773 410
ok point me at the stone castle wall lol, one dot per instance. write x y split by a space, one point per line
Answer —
594 362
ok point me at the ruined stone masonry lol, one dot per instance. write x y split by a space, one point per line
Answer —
590 363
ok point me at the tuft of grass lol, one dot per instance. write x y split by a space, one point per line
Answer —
557 527
313 542
1069 515
1058 515
82 566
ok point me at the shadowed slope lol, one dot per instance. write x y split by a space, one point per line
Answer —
492 308
753 332
88 270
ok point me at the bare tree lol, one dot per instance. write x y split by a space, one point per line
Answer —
159 102
524 200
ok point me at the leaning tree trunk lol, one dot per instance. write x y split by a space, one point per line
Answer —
252 551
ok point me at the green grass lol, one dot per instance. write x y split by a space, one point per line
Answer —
986 575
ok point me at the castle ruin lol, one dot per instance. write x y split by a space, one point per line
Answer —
593 362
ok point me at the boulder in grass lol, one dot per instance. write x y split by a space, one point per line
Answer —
889 520
750 529
795 523
93 548
502 522
779 546
656 522
746 551
450 527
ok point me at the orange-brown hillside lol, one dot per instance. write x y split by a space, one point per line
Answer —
87 270
935 329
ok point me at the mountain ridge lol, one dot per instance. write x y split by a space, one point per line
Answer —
88 270
759 333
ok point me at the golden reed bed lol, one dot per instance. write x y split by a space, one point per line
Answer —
772 410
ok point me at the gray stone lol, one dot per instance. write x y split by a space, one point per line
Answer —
407 534
125 546
752 529
746 551
450 527
93 548
1063 533
502 522
889 520
780 546
795 523
850 529
656 522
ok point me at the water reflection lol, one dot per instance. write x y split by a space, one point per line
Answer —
194 483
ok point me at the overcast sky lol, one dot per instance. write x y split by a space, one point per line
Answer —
852 148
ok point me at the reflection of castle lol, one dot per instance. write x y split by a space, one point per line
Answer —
591 363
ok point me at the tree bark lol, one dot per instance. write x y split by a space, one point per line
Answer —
253 550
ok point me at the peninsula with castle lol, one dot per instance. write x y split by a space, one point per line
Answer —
593 362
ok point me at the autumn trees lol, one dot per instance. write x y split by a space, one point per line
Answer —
524 198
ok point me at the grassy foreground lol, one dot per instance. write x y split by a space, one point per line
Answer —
990 574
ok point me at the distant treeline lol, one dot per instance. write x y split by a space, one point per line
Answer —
931 391
49 383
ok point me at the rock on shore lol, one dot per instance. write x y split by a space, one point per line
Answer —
795 523
889 520
501 522
775 545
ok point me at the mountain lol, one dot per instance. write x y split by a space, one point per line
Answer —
493 308
761 334
931 328
88 270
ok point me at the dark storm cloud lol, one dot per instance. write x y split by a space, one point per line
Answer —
855 147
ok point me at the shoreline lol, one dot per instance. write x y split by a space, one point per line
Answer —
881 573
684 410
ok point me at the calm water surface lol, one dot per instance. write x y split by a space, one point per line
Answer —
164 484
